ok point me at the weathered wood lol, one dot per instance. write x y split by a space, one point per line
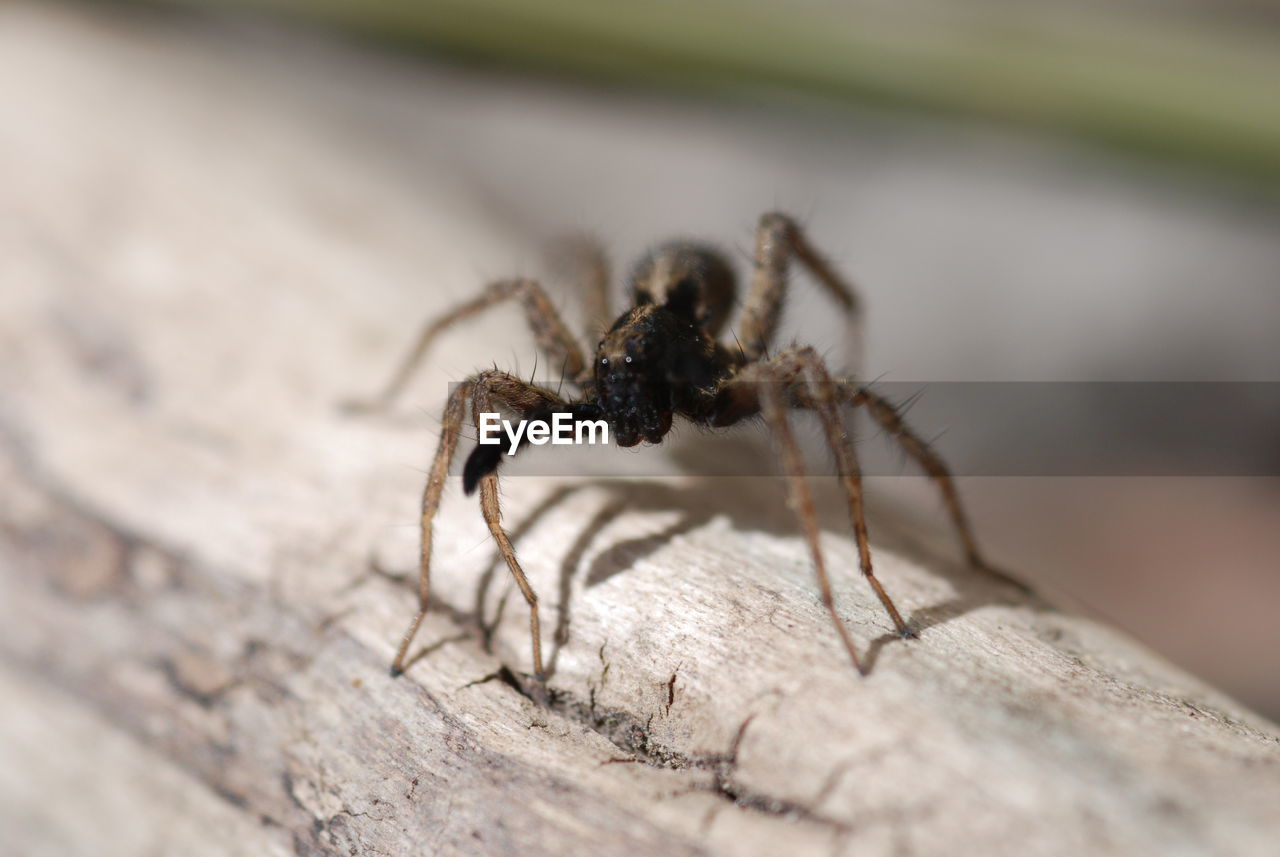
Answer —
194 657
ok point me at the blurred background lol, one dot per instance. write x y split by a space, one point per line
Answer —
1024 191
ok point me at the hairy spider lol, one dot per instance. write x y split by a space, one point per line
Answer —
663 358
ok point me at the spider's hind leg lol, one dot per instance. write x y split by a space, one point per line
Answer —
553 337
581 259
779 240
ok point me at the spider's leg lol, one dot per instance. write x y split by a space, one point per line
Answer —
891 421
586 265
779 240
454 411
525 397
493 516
884 413
549 329
821 396
482 390
794 378
800 498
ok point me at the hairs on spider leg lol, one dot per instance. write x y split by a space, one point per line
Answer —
908 403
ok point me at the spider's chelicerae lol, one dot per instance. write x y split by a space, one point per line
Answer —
662 358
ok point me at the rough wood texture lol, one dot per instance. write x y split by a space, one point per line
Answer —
195 657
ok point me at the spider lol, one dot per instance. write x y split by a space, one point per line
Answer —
661 358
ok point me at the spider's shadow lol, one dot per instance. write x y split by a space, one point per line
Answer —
750 504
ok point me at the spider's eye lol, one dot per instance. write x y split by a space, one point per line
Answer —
628 359
604 361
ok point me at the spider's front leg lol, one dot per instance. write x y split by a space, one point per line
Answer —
553 337
797 378
451 429
482 390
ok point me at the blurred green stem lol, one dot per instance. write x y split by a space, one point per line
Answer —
1209 94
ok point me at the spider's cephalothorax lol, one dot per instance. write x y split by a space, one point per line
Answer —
665 357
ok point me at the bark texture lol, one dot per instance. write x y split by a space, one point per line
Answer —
195 650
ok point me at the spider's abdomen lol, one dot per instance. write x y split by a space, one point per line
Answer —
694 275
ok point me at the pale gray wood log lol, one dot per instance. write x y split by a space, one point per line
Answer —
194 657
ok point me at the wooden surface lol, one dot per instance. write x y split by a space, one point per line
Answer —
194 658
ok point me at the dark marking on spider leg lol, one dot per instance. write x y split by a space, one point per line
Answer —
482 461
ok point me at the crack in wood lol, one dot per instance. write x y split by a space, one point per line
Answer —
624 731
